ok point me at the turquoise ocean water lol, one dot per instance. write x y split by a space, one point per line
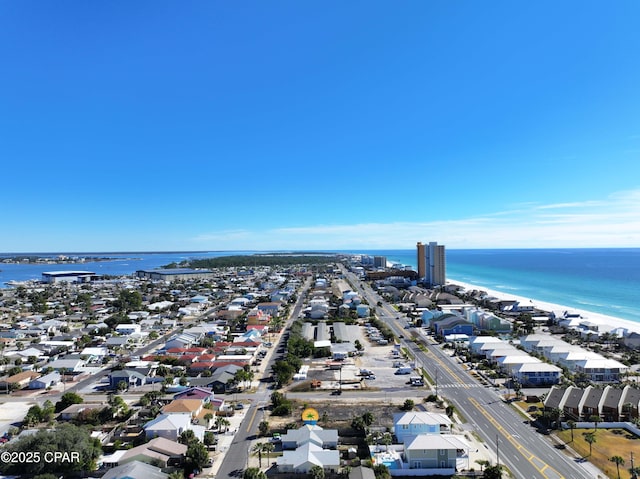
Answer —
605 281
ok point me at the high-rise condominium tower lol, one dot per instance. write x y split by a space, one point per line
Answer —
431 264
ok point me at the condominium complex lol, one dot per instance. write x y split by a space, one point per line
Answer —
431 263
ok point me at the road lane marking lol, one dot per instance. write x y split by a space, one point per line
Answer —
540 465
253 416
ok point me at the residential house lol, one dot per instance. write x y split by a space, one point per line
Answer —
133 379
592 404
72 411
313 447
46 381
452 325
429 451
135 470
127 329
158 451
630 403
612 405
573 403
68 366
413 423
194 407
171 426
19 380
183 340
325 438
537 374
203 394
601 370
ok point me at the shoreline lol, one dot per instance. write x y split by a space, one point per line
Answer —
605 322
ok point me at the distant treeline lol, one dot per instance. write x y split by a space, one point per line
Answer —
256 260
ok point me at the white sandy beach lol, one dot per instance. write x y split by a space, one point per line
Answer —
605 323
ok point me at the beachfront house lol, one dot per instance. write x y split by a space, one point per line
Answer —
413 423
440 452
536 374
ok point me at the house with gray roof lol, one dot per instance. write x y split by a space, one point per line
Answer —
46 381
325 438
171 426
305 457
133 379
630 403
158 451
135 470
612 405
592 403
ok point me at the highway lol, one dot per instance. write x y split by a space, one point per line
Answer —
507 434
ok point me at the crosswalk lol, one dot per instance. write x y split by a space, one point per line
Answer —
460 385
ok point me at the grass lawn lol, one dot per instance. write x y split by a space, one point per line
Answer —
609 442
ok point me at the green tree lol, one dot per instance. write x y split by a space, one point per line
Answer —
357 423
67 400
368 418
316 472
595 419
253 473
381 471
197 455
618 461
590 438
482 463
209 438
572 426
408 405
263 428
493 472
257 448
187 437
268 447
66 438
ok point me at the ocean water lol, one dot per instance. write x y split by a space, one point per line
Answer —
605 281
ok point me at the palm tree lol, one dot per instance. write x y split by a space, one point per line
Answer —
368 418
268 447
482 463
590 438
618 461
595 419
258 448
572 426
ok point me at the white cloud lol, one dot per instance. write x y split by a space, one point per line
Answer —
610 222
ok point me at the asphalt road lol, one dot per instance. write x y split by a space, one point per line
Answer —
236 459
513 441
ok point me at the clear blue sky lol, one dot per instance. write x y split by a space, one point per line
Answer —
223 125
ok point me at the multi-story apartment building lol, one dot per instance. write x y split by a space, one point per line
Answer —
431 263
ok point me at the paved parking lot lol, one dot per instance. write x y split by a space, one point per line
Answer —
378 359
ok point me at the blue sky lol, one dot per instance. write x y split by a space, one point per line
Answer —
281 125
